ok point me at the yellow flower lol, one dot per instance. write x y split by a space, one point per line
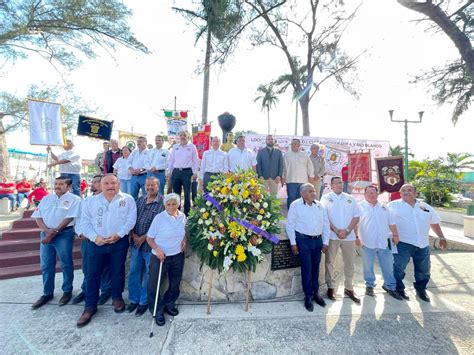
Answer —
253 182
241 257
211 228
239 250
224 190
261 211
215 253
228 180
222 243
235 191
205 215
245 194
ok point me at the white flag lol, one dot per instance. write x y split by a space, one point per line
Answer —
45 123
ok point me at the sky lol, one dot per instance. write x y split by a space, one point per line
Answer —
132 88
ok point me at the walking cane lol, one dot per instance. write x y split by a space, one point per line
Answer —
156 300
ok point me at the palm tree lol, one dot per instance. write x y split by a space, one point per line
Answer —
217 20
268 97
399 150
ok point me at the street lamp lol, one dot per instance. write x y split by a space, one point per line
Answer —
420 114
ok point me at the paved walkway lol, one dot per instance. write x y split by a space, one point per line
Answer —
379 325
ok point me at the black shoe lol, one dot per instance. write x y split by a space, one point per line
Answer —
64 300
131 307
423 295
308 304
403 295
393 293
319 300
160 320
369 291
79 298
42 301
173 311
141 310
103 298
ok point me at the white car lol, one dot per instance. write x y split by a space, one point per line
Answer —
459 198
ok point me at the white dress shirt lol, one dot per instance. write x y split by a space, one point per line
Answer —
413 223
122 165
183 157
373 225
341 209
241 159
139 160
159 158
297 167
168 232
74 165
310 220
53 209
105 218
83 206
214 161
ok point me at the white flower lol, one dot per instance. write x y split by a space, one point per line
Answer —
227 263
208 222
254 250
268 215
259 217
265 205
208 203
257 205
200 221
244 209
202 210
210 246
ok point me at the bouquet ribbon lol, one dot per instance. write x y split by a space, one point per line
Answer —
245 224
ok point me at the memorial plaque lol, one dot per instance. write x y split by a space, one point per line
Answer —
283 257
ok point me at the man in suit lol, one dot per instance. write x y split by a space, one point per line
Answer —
270 165
111 156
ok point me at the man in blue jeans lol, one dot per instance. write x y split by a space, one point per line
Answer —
105 283
138 165
159 163
308 230
106 223
413 219
376 227
55 216
147 208
69 165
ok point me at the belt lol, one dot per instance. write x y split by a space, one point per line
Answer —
208 172
183 169
301 235
143 173
160 171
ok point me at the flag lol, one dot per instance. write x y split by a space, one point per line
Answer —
201 138
93 127
359 167
390 173
45 123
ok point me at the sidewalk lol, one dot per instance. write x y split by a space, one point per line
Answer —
378 325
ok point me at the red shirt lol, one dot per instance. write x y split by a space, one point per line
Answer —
23 186
38 194
345 174
7 188
83 186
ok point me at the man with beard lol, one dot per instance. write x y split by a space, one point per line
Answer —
270 165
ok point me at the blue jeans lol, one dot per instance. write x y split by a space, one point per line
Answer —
98 257
386 266
293 192
173 267
136 183
12 199
60 246
161 178
21 196
125 186
310 257
76 182
421 263
345 187
138 276
104 278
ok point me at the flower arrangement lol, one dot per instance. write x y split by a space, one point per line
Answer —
230 226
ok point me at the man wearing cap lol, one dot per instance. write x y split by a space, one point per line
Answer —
183 166
106 223
55 217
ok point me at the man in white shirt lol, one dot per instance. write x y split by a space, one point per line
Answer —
214 161
307 227
55 216
343 214
138 165
69 165
241 158
106 223
159 163
376 228
297 170
183 166
414 220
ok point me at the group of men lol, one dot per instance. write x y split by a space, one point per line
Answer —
17 191
393 233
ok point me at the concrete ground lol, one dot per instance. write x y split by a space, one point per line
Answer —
379 325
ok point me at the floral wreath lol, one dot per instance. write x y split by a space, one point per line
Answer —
232 225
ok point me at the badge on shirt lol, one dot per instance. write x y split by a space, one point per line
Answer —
349 201
122 203
100 212
66 203
423 208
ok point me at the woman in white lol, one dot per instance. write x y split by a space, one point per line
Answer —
167 239
121 169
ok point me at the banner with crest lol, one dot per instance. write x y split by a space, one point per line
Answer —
390 173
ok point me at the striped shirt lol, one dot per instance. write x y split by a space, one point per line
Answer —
145 214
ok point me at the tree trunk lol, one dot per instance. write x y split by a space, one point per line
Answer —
304 104
268 119
4 159
205 90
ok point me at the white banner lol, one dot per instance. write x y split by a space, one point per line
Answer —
174 127
335 150
45 123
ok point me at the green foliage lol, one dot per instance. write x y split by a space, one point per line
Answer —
58 30
436 179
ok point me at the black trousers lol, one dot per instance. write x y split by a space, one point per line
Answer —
171 267
181 179
207 179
